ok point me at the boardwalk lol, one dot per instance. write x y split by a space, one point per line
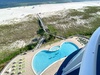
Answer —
39 43
45 28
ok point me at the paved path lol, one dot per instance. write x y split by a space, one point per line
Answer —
45 28
53 68
39 43
42 24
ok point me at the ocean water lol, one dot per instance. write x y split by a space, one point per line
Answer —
15 3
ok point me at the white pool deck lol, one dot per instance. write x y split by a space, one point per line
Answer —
27 60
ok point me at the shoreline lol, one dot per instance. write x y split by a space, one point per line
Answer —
48 3
18 13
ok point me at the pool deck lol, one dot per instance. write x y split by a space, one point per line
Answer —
53 69
27 60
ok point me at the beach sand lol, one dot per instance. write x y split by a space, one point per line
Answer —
17 14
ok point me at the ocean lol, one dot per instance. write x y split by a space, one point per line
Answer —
15 3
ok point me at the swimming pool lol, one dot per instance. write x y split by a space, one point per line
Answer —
55 48
45 57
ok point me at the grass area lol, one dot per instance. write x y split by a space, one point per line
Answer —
21 31
74 12
96 23
92 9
85 14
7 55
73 22
25 31
52 29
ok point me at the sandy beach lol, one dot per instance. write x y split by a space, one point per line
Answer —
18 13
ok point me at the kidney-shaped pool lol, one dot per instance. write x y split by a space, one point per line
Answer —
45 58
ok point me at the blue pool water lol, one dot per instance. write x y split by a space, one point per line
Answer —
45 57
